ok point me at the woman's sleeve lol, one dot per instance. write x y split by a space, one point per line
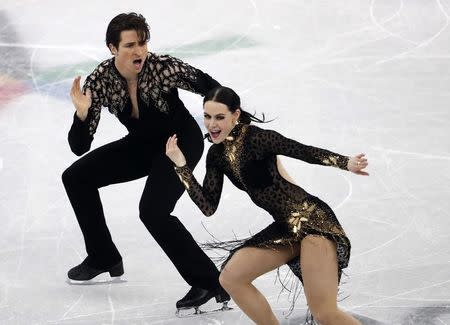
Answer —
206 197
272 142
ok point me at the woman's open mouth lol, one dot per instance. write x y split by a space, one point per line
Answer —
214 134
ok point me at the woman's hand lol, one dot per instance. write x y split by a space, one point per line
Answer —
174 153
80 101
357 164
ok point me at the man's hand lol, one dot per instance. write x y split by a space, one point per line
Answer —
80 101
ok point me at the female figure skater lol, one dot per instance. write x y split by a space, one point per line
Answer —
305 234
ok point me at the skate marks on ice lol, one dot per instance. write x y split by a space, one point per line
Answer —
367 320
435 315
152 313
361 60
306 320
400 315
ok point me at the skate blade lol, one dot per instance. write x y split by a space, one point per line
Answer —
188 312
196 311
100 279
224 308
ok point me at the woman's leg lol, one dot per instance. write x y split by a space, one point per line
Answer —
245 266
319 266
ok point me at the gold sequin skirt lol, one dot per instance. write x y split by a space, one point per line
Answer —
308 217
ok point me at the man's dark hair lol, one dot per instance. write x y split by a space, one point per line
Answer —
127 21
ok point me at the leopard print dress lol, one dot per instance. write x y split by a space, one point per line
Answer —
248 158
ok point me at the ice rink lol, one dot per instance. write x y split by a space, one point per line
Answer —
350 76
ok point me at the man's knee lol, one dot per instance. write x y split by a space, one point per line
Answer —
71 176
78 175
155 205
155 216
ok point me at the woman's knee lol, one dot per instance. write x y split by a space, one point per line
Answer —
232 277
229 279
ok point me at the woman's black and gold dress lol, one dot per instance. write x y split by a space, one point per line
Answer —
248 158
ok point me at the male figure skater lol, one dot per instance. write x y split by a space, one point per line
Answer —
140 89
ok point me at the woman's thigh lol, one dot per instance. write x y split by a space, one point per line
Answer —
319 266
248 263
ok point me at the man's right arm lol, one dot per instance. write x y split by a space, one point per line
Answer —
87 115
79 136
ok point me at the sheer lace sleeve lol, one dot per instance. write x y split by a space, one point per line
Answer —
272 142
206 197
178 74
81 133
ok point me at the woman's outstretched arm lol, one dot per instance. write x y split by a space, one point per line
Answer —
272 142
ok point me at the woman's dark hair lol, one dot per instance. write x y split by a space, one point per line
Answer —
228 97
129 21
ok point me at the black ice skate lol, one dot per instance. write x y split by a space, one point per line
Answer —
83 273
197 297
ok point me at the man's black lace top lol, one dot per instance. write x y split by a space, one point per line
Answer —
157 95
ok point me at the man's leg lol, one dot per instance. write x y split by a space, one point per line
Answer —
116 162
162 191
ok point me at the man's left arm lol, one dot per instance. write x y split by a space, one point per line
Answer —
184 76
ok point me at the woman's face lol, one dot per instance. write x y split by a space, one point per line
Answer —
219 120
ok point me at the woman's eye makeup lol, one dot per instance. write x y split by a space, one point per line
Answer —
217 117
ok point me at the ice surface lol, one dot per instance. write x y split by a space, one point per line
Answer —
350 76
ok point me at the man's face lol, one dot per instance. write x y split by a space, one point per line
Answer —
131 54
